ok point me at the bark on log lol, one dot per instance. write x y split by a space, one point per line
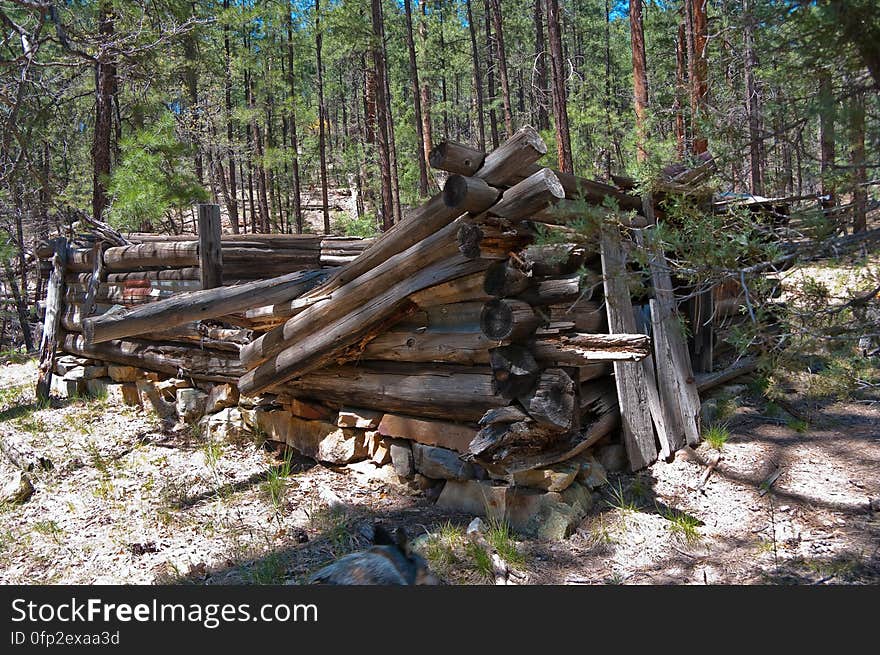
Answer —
451 393
199 305
317 346
431 345
531 195
552 404
503 280
514 370
176 360
456 158
509 414
168 254
555 290
469 194
508 319
579 349
390 274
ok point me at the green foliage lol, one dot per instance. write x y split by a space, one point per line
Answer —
353 226
716 436
151 180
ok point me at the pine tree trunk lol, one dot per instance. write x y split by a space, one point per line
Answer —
382 144
826 138
105 90
640 78
557 82
322 118
857 160
389 117
478 80
752 104
680 93
539 90
291 121
417 100
232 202
698 70
490 78
426 90
495 6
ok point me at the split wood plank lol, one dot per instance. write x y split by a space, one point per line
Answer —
52 320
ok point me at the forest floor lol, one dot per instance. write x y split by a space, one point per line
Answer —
127 503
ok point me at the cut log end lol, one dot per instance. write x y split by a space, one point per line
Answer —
455 158
508 319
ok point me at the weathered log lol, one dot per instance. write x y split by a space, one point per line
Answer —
635 390
508 319
568 210
316 347
580 349
78 260
52 320
503 280
552 404
469 194
457 316
171 254
74 315
556 290
553 260
463 289
210 252
489 241
177 360
525 147
98 274
430 345
509 414
594 370
455 158
533 194
187 273
499 166
596 398
197 333
514 370
583 316
441 245
707 381
199 305
450 393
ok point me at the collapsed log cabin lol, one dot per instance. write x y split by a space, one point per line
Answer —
463 327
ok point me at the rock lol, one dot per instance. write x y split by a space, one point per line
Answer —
130 395
123 373
440 463
66 388
191 404
402 458
474 497
553 478
547 515
433 493
17 490
453 436
592 473
226 425
874 504
319 440
423 483
378 447
476 527
86 373
66 363
709 411
305 409
220 397
350 417
103 388
168 388
612 457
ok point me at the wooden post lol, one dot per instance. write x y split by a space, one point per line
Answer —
52 321
99 275
210 253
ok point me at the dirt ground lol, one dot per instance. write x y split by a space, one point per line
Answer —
126 503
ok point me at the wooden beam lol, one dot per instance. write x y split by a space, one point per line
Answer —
52 320
210 252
